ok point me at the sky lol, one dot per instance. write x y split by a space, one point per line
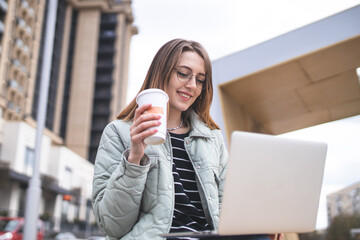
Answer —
224 27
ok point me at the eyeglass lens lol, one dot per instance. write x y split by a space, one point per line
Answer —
185 74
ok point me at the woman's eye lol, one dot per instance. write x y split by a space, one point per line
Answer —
200 81
184 75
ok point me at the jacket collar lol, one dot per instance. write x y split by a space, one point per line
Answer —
198 127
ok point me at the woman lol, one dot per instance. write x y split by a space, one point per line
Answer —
140 191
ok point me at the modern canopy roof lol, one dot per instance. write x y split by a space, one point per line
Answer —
300 79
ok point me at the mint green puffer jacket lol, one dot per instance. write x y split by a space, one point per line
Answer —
137 201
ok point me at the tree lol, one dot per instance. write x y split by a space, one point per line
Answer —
339 228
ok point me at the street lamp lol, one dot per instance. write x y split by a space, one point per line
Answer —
34 189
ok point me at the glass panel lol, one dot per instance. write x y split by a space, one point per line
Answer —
29 161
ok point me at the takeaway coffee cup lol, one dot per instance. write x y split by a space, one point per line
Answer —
158 99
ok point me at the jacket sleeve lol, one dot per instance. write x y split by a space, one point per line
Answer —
222 164
117 184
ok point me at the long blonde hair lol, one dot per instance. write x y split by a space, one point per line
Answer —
159 74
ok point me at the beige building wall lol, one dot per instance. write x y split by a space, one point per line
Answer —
83 82
124 32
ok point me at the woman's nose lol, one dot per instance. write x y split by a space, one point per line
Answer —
190 82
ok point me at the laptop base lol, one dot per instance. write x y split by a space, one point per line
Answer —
211 235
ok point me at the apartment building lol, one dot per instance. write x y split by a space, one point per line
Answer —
88 86
344 201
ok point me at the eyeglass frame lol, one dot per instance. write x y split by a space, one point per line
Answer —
189 77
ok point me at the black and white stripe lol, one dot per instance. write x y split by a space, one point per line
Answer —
188 212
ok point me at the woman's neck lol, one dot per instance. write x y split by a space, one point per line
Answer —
175 123
174 120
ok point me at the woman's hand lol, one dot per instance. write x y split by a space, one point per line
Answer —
139 130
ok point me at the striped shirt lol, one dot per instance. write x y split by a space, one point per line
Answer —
188 211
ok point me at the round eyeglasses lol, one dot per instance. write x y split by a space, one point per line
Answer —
185 74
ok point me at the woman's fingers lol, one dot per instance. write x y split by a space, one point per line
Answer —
142 126
141 132
141 117
141 109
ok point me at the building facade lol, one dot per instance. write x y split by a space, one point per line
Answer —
88 85
344 201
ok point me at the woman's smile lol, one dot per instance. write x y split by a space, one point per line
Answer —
185 96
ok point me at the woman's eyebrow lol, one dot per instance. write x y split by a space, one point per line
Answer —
185 67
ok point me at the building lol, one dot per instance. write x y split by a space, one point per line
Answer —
344 201
88 86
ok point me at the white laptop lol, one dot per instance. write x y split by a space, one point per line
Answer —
272 185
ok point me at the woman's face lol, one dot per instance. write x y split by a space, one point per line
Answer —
183 94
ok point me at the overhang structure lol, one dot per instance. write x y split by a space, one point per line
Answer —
300 79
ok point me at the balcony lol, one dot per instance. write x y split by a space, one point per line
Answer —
106 49
12 83
100 112
20 45
108 34
103 95
16 63
105 64
108 18
17 109
28 30
25 5
105 79
11 105
108 21
21 22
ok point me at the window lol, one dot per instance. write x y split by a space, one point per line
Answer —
29 161
67 178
